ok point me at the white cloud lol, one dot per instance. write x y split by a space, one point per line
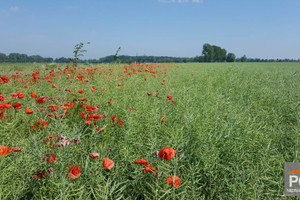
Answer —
180 1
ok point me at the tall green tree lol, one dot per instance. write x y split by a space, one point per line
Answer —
208 53
78 51
116 56
213 53
36 58
16 57
230 57
244 58
3 57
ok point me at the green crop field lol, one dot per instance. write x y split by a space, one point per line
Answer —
232 126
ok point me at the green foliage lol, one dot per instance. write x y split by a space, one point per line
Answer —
230 57
3 57
116 56
233 127
78 51
244 58
212 53
23 58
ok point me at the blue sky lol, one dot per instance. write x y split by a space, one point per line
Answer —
256 28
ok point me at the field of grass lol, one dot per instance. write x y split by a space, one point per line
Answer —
232 125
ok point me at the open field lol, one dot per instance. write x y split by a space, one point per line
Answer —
232 125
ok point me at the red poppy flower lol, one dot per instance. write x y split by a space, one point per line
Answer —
41 99
2 98
149 93
52 136
120 123
5 106
110 102
4 150
4 79
14 95
162 83
28 111
74 171
174 101
88 121
83 115
90 108
21 95
114 118
100 129
39 174
40 122
80 91
164 119
17 106
130 108
119 84
50 157
94 89
167 153
149 169
33 95
169 97
16 149
107 163
94 155
141 161
173 180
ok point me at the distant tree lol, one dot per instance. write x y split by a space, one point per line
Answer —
23 58
185 60
198 59
78 51
48 60
223 55
219 54
213 53
36 58
3 57
13 57
243 58
17 57
116 56
62 60
230 57
208 53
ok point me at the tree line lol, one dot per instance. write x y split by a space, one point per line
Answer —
210 53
